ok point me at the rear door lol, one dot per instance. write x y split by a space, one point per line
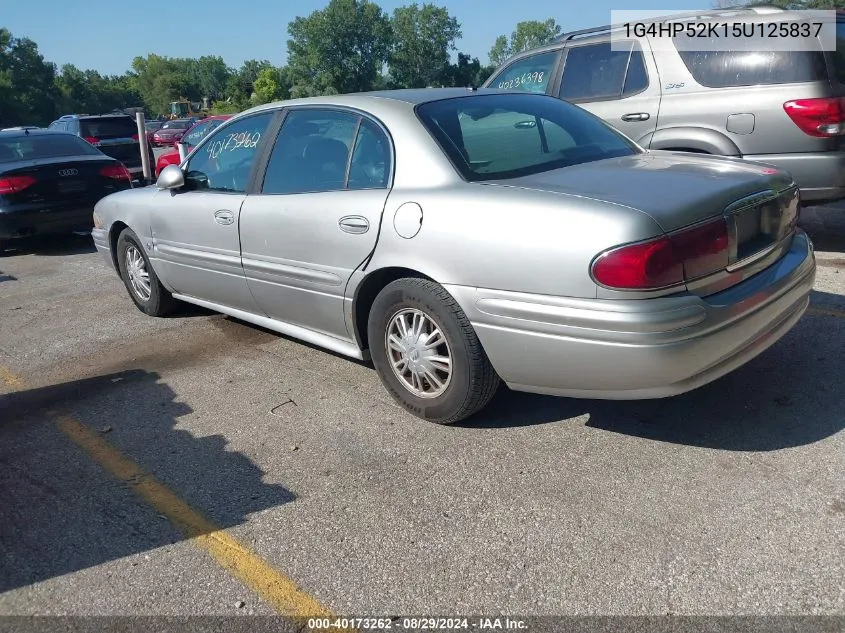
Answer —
617 82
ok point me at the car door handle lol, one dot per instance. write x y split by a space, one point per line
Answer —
636 116
224 216
354 224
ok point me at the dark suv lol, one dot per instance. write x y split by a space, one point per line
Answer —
115 135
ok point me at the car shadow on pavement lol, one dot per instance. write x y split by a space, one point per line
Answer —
52 246
63 512
791 395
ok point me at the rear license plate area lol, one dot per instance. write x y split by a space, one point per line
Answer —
71 186
759 226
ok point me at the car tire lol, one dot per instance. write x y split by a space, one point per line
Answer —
151 297
411 371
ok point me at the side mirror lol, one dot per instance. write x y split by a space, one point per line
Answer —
171 177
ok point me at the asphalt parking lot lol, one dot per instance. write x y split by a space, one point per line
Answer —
200 465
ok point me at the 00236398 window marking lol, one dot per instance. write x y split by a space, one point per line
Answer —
526 78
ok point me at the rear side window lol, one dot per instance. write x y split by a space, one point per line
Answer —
596 71
722 69
44 146
531 74
116 127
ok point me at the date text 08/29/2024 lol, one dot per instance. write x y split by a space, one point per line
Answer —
417 624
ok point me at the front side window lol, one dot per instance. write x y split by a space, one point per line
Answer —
490 137
531 74
225 161
597 71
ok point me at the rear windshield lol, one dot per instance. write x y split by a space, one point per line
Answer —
724 68
43 146
488 137
115 127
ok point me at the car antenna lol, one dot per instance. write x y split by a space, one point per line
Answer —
26 132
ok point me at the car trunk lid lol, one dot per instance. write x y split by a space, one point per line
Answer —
68 180
759 203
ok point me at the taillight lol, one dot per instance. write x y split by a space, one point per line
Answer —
818 117
135 137
14 184
665 261
118 172
92 139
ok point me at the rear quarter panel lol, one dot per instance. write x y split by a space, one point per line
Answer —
507 238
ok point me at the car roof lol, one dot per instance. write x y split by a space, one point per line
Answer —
404 96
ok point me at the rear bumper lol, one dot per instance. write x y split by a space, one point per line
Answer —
634 349
48 220
820 176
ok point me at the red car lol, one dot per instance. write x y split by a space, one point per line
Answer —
191 139
171 132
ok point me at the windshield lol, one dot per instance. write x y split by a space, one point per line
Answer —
176 125
44 146
489 137
200 131
179 109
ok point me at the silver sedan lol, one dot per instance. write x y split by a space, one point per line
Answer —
461 239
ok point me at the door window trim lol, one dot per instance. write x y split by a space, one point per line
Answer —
361 114
604 40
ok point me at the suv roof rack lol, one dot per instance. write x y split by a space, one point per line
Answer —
691 14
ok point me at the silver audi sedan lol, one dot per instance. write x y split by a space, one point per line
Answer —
459 239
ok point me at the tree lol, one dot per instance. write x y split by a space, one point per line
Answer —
210 75
525 36
272 84
341 48
161 80
28 93
422 40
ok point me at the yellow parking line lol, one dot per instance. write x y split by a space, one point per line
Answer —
277 589
826 312
9 378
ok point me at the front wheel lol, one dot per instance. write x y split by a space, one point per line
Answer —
427 354
139 277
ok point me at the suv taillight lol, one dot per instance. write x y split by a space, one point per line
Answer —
818 117
665 261
14 184
92 139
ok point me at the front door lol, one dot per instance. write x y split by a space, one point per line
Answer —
317 217
196 246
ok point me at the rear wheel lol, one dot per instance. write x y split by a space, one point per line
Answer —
139 277
427 354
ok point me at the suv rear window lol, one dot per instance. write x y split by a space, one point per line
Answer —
43 146
488 137
721 69
839 55
111 127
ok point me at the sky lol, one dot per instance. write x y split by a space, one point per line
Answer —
107 35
